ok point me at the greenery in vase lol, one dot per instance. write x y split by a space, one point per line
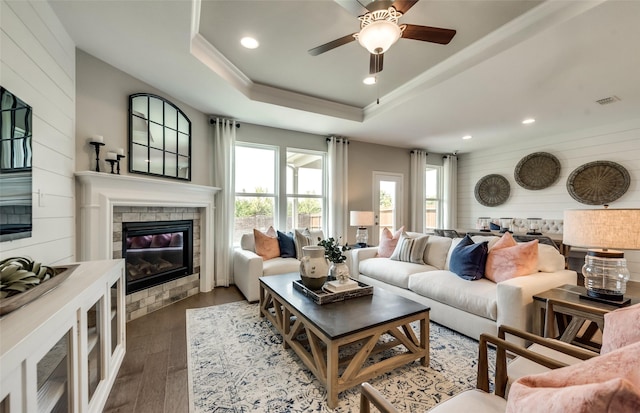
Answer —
333 251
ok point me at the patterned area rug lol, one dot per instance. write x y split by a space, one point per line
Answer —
237 364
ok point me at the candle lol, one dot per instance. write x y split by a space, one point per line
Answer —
112 155
97 138
120 151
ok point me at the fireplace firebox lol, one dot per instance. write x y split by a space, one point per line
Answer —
156 252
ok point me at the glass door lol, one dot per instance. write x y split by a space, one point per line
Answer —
387 203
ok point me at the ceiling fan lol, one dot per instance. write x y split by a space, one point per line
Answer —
379 29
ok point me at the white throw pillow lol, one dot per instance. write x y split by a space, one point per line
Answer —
549 259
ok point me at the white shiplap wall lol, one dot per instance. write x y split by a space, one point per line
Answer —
618 143
37 64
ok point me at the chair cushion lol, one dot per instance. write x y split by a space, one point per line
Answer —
475 401
621 327
280 266
266 243
508 259
410 248
468 259
604 384
388 242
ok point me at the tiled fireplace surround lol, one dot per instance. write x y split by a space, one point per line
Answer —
106 200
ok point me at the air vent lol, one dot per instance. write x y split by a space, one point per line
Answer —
606 101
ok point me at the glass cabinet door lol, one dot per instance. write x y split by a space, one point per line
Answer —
94 331
115 312
53 378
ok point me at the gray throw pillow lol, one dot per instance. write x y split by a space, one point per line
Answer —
410 249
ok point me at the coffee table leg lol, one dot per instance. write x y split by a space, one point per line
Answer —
424 340
332 375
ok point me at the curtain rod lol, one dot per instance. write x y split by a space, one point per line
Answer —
213 121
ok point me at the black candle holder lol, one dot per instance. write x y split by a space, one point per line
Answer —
119 157
112 162
97 145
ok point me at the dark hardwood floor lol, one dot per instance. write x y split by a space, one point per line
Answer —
153 375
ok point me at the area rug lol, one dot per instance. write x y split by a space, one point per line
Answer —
237 363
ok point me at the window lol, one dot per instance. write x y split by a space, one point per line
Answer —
294 198
305 190
433 197
256 188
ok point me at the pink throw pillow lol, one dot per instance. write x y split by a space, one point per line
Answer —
508 259
388 242
267 243
621 327
608 383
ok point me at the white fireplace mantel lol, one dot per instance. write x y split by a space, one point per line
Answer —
98 193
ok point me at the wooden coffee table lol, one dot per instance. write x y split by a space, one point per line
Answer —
317 333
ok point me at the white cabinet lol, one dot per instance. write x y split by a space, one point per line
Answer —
62 352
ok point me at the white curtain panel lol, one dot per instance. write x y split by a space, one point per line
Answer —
450 193
417 195
338 149
224 139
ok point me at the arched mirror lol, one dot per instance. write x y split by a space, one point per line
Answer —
15 167
159 137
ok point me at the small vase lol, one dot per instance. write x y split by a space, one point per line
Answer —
313 267
340 271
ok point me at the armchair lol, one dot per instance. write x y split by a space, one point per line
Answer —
544 354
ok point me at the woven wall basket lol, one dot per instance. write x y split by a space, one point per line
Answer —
537 171
598 183
492 190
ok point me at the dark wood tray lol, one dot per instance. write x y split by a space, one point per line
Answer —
324 297
14 302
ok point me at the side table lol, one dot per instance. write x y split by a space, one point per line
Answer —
572 314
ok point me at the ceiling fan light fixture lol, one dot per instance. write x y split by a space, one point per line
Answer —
379 36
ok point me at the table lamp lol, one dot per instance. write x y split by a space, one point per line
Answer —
605 269
362 220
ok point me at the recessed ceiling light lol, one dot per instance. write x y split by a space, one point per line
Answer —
465 137
528 121
371 80
249 42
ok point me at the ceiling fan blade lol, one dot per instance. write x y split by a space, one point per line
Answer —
331 45
404 5
375 63
352 6
428 34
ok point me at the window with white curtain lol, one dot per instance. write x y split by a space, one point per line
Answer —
433 196
295 198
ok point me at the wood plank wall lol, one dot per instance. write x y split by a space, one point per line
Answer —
37 64
618 143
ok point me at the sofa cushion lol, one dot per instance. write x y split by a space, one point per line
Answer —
306 237
287 245
549 259
508 259
435 253
280 266
248 242
266 243
468 259
392 272
410 248
479 297
388 242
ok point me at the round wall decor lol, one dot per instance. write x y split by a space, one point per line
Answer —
598 183
538 170
492 190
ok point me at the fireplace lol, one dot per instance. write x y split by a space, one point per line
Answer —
156 252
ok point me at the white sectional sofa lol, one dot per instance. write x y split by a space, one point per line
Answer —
469 307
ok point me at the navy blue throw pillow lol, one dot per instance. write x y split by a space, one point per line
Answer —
468 259
287 247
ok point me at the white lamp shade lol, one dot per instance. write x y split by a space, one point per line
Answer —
602 228
378 36
361 218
